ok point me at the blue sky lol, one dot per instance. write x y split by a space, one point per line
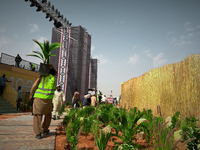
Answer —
129 37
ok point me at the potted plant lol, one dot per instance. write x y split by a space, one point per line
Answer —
45 55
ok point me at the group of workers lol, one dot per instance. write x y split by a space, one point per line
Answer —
43 92
18 59
92 100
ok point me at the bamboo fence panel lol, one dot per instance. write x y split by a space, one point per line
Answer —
175 87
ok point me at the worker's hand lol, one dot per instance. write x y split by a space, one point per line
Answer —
50 65
31 98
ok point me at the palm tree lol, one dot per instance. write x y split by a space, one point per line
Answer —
46 51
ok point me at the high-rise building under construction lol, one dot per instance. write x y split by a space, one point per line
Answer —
76 69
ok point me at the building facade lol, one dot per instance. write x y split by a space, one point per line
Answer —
72 60
93 74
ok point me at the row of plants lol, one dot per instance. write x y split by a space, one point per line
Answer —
107 121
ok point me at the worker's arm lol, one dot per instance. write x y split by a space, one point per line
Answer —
63 97
34 88
74 95
54 69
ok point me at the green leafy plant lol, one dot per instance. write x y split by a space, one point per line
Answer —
87 123
87 111
73 131
163 138
46 51
102 141
72 141
106 114
100 93
126 147
67 104
62 109
128 126
175 119
115 120
189 126
71 115
149 127
95 127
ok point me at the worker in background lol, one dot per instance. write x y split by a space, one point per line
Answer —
3 81
18 59
58 100
19 98
32 66
76 98
100 97
93 100
85 99
103 99
42 92
115 101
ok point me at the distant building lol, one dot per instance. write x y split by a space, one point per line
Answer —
93 74
72 60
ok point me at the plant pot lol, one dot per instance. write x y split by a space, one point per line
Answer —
44 69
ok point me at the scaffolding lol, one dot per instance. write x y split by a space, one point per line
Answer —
77 60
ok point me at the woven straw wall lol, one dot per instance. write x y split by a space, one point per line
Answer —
175 87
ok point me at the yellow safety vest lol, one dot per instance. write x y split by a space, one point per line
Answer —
46 87
33 65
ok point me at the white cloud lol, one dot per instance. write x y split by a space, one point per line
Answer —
2 30
189 29
159 61
40 39
34 28
147 53
15 35
3 41
92 48
183 40
133 60
169 33
101 59
187 23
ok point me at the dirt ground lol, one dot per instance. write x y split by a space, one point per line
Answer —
87 142
8 116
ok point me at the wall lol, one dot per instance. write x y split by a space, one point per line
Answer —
175 87
18 77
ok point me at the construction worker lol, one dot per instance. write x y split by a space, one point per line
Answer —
32 66
18 59
76 98
42 92
58 100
